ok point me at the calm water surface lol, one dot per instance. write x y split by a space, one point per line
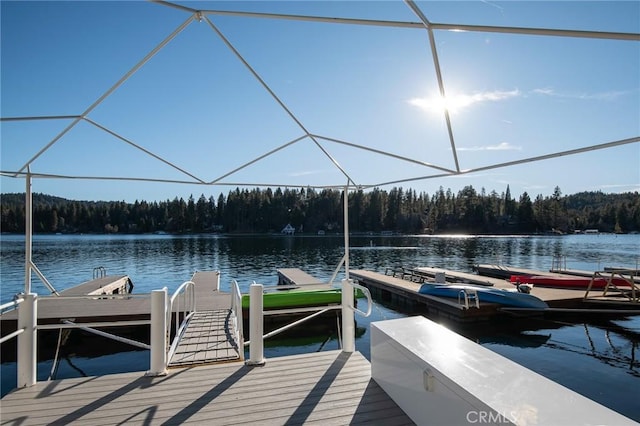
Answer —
595 358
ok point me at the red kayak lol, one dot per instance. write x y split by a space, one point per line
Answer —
567 282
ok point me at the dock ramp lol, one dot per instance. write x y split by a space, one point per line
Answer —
211 334
208 338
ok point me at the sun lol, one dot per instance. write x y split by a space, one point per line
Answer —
457 102
438 104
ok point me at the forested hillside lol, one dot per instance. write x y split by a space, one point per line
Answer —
309 211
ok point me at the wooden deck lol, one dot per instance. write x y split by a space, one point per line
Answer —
324 388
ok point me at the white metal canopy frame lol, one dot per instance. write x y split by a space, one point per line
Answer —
322 142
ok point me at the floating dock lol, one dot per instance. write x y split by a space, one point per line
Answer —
104 285
296 277
505 272
404 294
401 289
75 305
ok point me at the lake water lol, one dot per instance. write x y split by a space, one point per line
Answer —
597 358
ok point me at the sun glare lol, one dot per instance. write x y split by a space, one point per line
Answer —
438 104
454 103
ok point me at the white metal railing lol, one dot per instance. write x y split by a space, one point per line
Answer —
256 316
236 310
183 312
5 308
367 294
26 333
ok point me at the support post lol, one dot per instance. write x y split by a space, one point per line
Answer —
346 231
256 325
158 361
348 320
28 233
27 341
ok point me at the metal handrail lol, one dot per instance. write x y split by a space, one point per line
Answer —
236 309
188 289
466 295
98 296
90 327
367 294
317 310
559 263
13 304
99 272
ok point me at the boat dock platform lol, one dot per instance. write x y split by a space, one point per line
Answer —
505 272
205 340
410 380
324 388
75 303
401 288
100 286
404 294
296 277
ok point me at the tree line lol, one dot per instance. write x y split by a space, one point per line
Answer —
312 211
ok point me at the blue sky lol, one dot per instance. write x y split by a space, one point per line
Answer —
310 93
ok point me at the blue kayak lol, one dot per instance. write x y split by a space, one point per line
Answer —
485 294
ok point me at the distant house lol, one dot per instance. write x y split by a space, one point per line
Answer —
289 230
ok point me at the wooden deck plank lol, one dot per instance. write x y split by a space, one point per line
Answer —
328 387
